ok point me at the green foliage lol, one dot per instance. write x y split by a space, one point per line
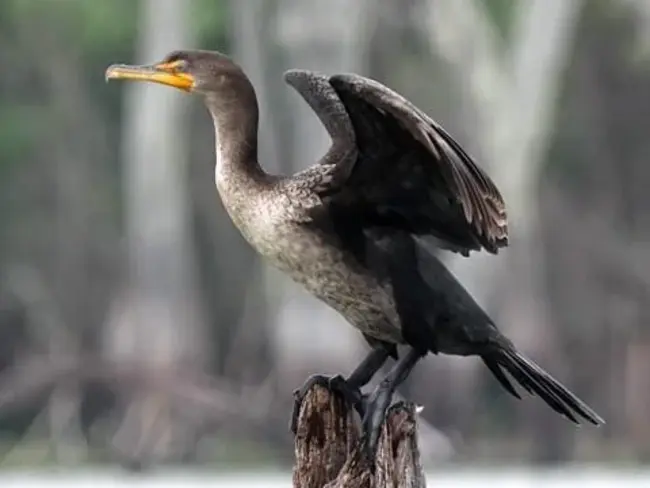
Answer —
87 35
210 18
100 26
91 24
16 124
502 13
98 32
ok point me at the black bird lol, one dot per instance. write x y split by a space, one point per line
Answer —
347 228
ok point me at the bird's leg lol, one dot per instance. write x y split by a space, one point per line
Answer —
350 389
363 373
379 400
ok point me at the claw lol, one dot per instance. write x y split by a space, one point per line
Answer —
299 395
350 393
335 383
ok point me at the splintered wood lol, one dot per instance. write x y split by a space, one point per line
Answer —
328 454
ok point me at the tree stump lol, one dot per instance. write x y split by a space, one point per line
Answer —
327 447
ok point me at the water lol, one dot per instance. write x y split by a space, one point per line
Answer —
586 477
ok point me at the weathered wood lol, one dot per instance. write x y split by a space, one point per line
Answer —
327 447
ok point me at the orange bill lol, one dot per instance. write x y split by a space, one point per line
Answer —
163 73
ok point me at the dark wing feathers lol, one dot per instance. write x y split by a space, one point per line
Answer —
321 97
409 172
482 203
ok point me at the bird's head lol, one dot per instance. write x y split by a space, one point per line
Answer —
194 71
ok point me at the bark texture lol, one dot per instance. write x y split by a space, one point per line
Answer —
327 447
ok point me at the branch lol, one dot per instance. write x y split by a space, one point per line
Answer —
214 399
327 447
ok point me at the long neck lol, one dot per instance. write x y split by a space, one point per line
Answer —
235 115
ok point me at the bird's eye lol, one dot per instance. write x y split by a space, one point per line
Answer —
179 65
174 65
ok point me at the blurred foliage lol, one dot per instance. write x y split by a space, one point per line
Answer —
606 38
100 26
88 35
92 25
502 13
94 33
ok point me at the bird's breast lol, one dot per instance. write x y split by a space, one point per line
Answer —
309 256
261 218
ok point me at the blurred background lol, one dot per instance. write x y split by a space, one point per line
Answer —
138 330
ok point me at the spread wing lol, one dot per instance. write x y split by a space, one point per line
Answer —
408 172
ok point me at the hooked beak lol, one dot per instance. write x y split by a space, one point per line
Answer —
157 73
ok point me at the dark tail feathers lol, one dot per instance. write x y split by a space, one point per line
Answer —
538 382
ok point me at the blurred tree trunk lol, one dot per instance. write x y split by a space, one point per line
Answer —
511 96
597 220
158 319
637 393
248 335
60 254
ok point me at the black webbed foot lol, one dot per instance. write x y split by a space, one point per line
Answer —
336 383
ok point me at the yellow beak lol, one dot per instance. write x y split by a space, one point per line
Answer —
157 73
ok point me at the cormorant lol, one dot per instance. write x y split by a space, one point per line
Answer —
347 228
